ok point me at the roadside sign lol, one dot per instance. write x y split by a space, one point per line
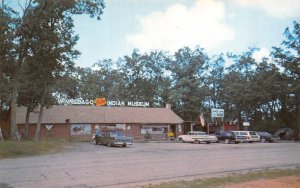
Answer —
217 113
246 124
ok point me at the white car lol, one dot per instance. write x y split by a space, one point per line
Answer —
197 137
250 135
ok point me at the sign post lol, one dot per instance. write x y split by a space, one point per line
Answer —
216 113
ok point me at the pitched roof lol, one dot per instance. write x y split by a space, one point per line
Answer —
93 114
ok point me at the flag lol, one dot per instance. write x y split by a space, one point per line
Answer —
202 120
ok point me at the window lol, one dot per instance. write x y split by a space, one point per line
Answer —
81 129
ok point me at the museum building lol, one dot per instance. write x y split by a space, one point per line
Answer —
79 121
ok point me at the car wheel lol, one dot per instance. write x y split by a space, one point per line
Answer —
263 140
227 141
124 145
181 140
250 142
236 142
197 142
208 142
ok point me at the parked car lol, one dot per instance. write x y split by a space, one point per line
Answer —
113 138
230 137
213 138
265 137
251 136
196 137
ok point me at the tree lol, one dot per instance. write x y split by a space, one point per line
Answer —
214 80
8 25
45 38
238 94
187 74
288 56
143 74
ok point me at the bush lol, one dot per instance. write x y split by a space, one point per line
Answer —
270 126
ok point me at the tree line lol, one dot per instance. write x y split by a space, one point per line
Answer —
37 69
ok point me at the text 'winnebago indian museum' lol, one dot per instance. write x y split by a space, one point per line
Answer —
73 121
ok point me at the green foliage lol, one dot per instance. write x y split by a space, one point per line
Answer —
288 57
188 74
270 126
36 49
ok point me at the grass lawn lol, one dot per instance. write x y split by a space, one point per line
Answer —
232 179
14 149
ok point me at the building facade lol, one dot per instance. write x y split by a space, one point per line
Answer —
74 121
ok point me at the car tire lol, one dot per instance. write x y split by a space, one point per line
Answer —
208 142
181 140
263 140
227 141
236 142
197 142
124 145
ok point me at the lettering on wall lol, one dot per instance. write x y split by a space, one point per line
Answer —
103 102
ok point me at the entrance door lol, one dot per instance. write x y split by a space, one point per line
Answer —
173 129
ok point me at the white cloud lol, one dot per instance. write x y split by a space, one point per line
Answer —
260 54
275 8
179 26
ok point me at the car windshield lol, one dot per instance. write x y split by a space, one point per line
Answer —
229 133
264 133
252 133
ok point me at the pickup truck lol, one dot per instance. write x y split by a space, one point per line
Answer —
113 138
197 137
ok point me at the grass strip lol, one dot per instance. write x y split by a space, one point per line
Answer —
24 148
231 179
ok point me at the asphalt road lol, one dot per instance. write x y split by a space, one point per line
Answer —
144 163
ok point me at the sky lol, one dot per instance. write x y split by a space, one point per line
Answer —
218 26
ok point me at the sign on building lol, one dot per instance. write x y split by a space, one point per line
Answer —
81 129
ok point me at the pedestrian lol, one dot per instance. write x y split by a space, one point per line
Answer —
97 134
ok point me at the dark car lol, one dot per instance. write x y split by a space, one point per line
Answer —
113 138
265 137
229 137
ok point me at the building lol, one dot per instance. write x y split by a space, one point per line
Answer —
74 121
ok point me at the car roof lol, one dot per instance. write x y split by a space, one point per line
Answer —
197 132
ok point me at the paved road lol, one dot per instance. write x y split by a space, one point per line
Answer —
144 163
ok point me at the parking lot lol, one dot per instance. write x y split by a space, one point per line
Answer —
143 163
